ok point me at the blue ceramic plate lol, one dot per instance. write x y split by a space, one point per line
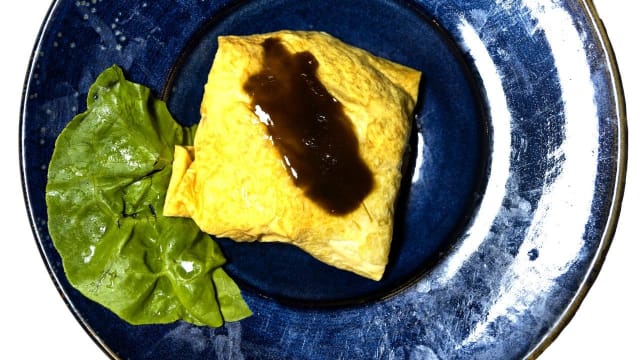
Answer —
506 210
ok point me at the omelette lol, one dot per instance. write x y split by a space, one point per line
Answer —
301 140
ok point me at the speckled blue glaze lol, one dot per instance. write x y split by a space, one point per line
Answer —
508 207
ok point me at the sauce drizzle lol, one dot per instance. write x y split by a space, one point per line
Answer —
308 126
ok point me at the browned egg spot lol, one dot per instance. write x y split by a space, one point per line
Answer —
309 128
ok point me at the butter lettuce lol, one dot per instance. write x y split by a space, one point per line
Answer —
106 186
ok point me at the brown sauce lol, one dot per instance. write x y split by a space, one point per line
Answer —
308 126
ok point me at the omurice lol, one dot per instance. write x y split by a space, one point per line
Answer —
301 140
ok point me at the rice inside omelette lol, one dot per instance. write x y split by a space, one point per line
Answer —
234 182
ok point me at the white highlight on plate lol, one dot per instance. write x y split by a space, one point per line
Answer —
558 224
500 154
419 159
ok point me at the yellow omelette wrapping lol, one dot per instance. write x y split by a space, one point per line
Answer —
233 184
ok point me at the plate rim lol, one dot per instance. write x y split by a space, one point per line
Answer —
610 226
24 187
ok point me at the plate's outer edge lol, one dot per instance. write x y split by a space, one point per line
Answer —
615 118
621 171
32 219
564 316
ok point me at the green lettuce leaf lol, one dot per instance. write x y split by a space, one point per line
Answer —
106 186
